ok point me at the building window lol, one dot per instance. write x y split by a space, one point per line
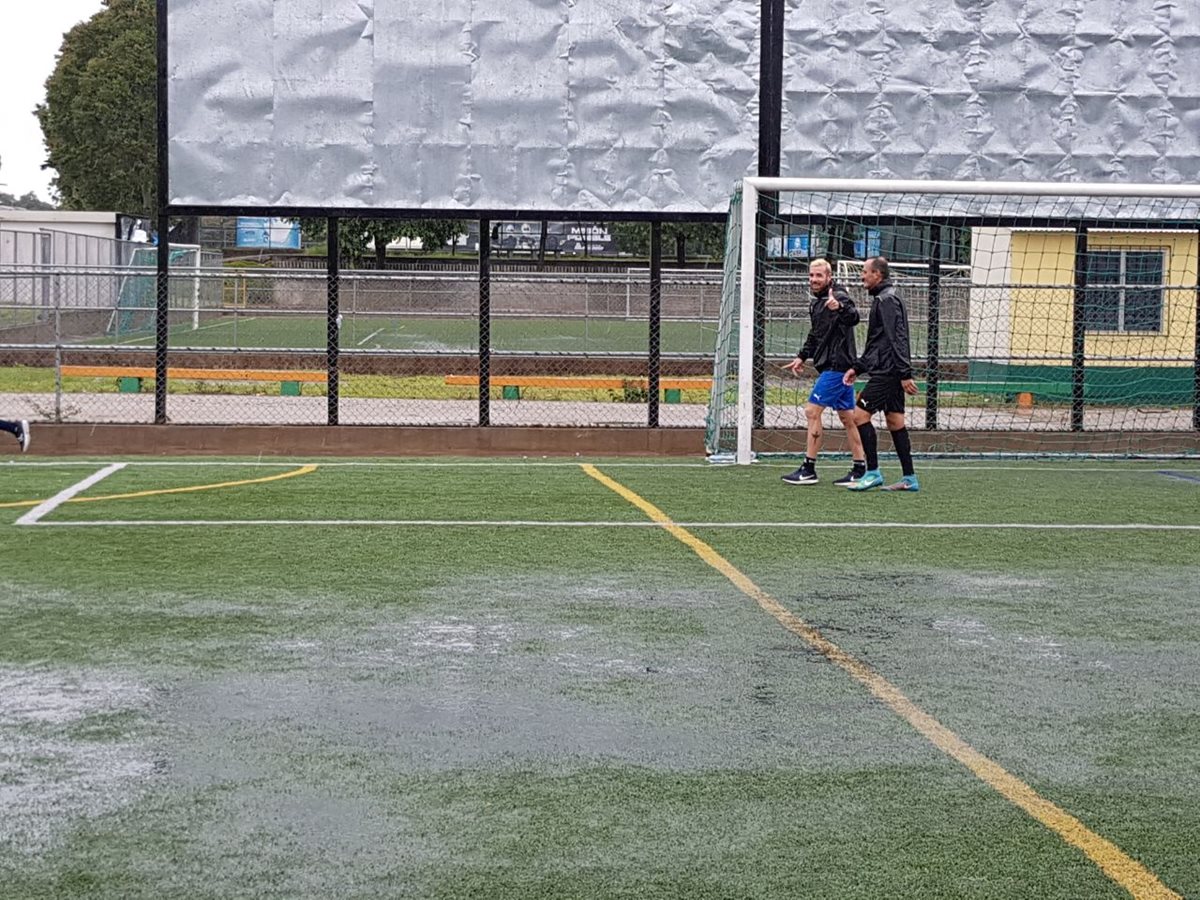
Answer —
1124 290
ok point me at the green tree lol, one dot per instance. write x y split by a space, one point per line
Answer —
99 116
434 234
360 239
28 200
694 238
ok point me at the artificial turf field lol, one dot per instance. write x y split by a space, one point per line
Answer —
513 334
506 679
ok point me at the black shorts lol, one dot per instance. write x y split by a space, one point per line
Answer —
882 394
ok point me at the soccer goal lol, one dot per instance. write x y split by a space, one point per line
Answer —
1044 318
134 311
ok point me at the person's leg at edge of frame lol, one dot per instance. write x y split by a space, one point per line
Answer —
19 430
903 445
872 478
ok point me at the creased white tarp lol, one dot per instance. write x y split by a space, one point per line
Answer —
595 105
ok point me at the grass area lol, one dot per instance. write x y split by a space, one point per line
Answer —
250 329
38 380
11 317
543 710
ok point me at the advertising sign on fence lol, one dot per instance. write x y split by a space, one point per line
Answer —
268 233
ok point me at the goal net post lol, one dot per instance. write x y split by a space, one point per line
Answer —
133 313
1044 318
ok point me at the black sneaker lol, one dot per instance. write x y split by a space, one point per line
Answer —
23 435
851 477
806 474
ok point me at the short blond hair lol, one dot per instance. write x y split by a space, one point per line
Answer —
821 263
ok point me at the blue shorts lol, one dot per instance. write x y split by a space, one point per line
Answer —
829 391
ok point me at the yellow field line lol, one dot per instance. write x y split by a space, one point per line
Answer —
303 470
1125 871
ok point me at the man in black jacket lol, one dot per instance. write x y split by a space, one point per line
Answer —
886 359
830 346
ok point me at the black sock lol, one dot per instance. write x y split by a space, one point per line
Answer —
903 450
859 466
13 428
866 431
809 461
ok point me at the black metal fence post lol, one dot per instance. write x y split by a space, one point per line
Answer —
162 318
933 321
654 363
1196 359
758 360
1078 328
332 322
485 321
773 16
162 202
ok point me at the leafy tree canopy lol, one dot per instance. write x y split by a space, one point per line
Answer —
28 200
99 116
356 237
688 238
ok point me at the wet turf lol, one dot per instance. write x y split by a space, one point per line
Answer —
299 711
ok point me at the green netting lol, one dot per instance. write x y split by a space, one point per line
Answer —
1037 324
135 310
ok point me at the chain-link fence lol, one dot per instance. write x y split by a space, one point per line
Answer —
250 345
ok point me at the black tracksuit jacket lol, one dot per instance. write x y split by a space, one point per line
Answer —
886 351
830 343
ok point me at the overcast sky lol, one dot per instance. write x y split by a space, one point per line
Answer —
33 33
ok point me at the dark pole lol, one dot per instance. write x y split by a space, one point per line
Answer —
654 366
485 321
770 88
163 254
1078 326
933 328
333 280
770 118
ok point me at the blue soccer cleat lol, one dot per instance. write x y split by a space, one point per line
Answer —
872 479
907 483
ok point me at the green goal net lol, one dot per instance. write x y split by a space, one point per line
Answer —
134 313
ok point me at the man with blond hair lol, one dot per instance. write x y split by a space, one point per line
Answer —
830 346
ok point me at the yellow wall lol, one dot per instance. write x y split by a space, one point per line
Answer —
1040 316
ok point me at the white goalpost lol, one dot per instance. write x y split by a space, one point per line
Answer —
1039 311
135 301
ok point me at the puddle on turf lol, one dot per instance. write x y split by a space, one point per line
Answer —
65 751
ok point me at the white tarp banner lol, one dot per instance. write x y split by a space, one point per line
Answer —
462 104
621 105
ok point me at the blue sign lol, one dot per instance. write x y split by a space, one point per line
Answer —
796 245
268 233
870 246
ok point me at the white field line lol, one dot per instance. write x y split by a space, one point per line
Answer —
534 523
48 506
223 324
371 335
